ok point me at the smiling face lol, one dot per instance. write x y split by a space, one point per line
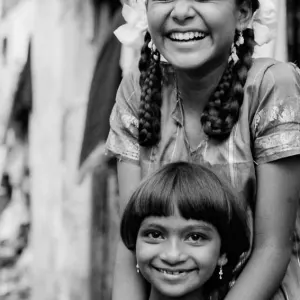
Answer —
177 256
192 34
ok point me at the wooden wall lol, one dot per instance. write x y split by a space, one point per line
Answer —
65 239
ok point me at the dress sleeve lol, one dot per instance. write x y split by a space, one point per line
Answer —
122 140
276 123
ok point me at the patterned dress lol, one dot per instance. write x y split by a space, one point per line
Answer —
268 129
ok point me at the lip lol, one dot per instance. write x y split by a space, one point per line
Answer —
185 41
185 30
174 269
178 274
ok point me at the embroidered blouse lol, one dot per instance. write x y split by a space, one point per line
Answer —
268 129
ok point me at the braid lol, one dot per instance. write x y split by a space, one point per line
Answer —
150 83
211 118
145 58
222 110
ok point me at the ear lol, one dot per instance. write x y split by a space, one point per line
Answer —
244 15
222 261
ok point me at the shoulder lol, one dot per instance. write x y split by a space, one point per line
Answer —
129 92
270 73
273 95
271 81
130 83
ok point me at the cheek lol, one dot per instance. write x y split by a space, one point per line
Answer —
208 262
222 25
211 254
213 258
155 32
144 252
157 16
224 32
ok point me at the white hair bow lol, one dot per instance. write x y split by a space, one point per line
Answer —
264 22
132 33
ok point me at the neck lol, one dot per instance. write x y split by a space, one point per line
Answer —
195 295
196 87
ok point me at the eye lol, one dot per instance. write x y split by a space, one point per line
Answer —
196 238
154 235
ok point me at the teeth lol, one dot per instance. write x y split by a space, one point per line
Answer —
186 36
170 273
176 273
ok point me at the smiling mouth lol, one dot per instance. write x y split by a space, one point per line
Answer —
186 36
174 273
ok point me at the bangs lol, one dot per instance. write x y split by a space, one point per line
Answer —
202 196
154 197
194 191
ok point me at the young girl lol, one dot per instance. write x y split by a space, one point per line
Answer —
188 231
198 96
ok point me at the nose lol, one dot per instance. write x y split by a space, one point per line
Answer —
173 253
182 10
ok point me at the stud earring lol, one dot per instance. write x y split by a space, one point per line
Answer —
221 272
137 268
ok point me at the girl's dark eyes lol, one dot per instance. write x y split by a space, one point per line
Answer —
153 234
196 237
192 238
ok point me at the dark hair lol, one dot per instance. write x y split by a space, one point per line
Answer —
150 82
199 194
223 108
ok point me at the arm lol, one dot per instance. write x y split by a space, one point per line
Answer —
275 214
127 284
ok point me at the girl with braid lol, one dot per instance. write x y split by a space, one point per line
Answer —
199 96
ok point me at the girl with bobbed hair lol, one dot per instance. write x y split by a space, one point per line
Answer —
211 216
199 96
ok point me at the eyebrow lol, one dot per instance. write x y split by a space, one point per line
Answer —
153 226
204 226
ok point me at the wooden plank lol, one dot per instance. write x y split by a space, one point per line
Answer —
63 59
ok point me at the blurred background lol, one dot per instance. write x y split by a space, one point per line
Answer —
60 67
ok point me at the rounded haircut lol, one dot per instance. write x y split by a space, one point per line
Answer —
197 193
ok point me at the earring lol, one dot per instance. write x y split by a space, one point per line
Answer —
137 268
221 272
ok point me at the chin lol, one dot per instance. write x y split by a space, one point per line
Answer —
182 63
177 290
173 292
